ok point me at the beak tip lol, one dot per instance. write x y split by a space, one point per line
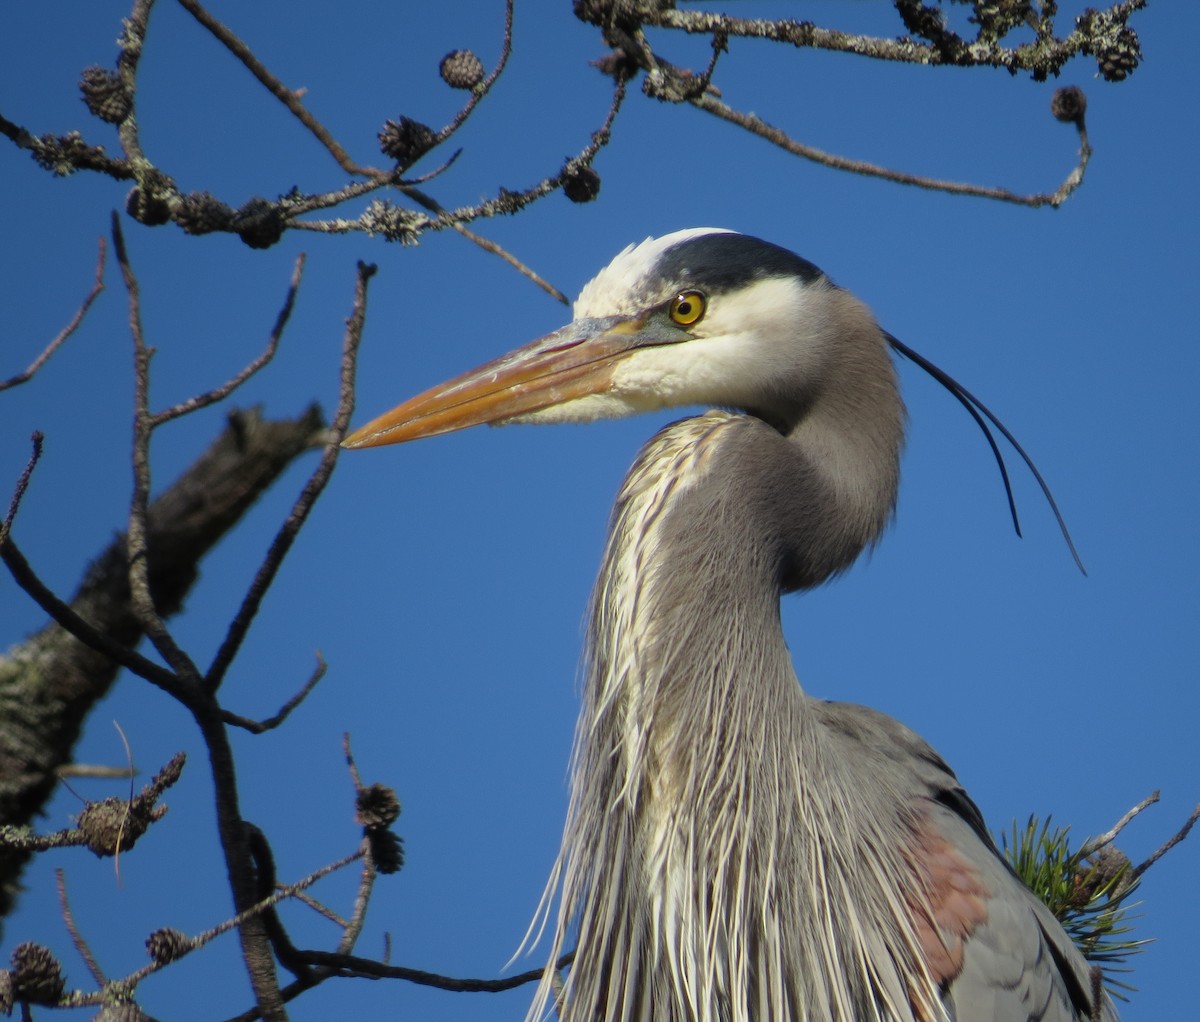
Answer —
362 437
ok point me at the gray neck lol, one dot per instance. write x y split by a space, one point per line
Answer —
691 714
718 516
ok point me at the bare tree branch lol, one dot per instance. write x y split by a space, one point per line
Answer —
167 946
81 945
137 542
1093 845
351 966
66 331
308 496
50 682
1043 56
322 910
1170 843
288 97
14 505
132 42
405 225
756 126
96 771
229 386
490 246
259 726
106 827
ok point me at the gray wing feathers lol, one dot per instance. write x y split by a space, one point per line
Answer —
1018 965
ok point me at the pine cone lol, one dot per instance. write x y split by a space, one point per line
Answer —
201 213
105 94
36 975
1119 61
145 209
406 140
1069 104
119 1011
166 945
377 806
581 184
259 223
461 69
110 826
387 850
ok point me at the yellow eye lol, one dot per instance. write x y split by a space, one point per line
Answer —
687 307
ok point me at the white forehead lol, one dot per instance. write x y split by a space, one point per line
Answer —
621 286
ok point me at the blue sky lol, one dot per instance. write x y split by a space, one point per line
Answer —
445 581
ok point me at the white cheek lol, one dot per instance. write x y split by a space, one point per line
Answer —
747 344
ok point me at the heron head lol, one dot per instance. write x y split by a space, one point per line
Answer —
700 317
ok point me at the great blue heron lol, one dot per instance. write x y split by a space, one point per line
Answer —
736 850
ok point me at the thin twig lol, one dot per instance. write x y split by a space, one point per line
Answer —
484 87
755 125
490 246
1169 843
62 154
14 505
362 899
66 331
353 965
94 771
504 204
355 776
321 910
79 999
81 945
132 42
211 397
140 598
1093 845
325 200
437 171
287 533
282 893
288 97
257 727
346 966
487 245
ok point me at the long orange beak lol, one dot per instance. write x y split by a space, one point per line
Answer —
573 362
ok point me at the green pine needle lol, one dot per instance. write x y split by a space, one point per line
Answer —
1089 896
